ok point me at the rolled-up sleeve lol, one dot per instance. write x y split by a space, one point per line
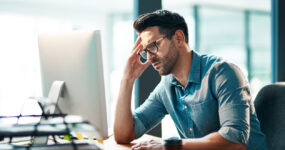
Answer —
149 114
233 95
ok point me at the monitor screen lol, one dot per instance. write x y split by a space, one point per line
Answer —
75 57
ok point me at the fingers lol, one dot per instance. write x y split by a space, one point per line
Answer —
138 49
136 146
152 144
138 41
146 64
137 46
139 146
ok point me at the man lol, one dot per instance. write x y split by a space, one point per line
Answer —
208 98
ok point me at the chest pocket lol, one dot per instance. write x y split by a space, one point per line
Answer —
204 114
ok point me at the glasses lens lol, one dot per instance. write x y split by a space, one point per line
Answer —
152 48
143 54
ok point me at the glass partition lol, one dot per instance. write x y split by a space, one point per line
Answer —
238 31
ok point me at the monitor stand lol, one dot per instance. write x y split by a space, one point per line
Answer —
53 96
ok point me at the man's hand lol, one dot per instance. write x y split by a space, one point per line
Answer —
134 67
123 116
148 145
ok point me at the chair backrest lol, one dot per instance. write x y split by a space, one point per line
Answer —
270 110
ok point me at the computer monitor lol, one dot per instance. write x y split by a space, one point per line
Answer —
75 57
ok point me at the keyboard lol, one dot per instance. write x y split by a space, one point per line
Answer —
81 146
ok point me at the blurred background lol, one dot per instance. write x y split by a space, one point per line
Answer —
239 31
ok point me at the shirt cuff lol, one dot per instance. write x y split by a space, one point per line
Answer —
234 135
139 128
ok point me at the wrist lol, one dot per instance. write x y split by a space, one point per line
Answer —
168 147
128 80
172 142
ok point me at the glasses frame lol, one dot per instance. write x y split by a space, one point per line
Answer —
146 50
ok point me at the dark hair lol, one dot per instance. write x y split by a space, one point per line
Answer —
167 21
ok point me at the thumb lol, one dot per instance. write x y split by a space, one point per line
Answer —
146 64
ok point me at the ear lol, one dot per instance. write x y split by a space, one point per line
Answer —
179 38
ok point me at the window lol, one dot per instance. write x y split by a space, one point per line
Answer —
260 47
19 61
238 32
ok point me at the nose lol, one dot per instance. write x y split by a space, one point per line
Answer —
150 56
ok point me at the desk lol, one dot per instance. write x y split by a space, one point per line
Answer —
111 144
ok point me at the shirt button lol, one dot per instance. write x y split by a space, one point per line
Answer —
185 107
190 129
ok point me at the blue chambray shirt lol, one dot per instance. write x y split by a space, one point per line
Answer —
216 99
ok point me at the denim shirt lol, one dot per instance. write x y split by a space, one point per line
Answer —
216 99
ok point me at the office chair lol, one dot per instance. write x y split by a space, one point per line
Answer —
270 110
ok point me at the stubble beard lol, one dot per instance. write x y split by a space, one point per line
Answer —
168 62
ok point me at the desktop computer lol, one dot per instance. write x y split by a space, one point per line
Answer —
75 58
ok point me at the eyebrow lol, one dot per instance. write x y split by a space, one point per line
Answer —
153 41
149 42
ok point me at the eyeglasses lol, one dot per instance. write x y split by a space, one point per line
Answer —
151 48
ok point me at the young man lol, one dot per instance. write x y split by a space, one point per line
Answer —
208 98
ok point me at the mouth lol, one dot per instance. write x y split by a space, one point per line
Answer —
156 65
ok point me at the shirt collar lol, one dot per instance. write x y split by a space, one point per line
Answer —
195 72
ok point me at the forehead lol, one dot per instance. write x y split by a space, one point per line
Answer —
149 35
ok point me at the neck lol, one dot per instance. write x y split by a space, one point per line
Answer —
183 66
